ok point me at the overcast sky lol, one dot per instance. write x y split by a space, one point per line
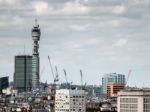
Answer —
97 36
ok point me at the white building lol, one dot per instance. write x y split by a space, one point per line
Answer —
134 101
70 101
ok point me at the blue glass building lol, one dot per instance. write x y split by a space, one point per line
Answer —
111 78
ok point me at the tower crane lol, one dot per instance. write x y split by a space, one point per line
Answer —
66 78
56 76
41 73
51 68
128 76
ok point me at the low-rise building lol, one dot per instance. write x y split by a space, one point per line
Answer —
67 100
134 101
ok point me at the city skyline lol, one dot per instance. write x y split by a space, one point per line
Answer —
97 36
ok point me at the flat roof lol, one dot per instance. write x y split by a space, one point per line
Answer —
23 55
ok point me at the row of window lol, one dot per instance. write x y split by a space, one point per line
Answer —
129 100
147 106
67 110
128 106
64 103
71 97
67 103
146 100
125 110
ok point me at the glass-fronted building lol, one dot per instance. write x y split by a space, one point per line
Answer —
4 83
23 72
111 78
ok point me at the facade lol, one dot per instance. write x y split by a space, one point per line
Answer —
36 33
113 89
111 78
23 72
96 91
4 83
70 101
134 101
92 90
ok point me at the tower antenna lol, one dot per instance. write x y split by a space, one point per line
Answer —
36 33
36 22
24 49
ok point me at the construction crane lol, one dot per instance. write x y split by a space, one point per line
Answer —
66 78
42 71
127 78
81 79
56 76
51 68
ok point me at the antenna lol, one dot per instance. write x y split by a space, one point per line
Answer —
24 49
36 22
143 85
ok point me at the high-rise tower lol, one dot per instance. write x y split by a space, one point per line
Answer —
23 72
36 33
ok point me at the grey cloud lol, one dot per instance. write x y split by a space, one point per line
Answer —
110 36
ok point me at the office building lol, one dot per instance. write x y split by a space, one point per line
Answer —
36 33
23 72
70 101
111 78
4 83
113 89
134 101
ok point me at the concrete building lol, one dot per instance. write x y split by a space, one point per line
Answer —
92 90
70 101
113 89
134 101
111 78
4 83
36 33
23 72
